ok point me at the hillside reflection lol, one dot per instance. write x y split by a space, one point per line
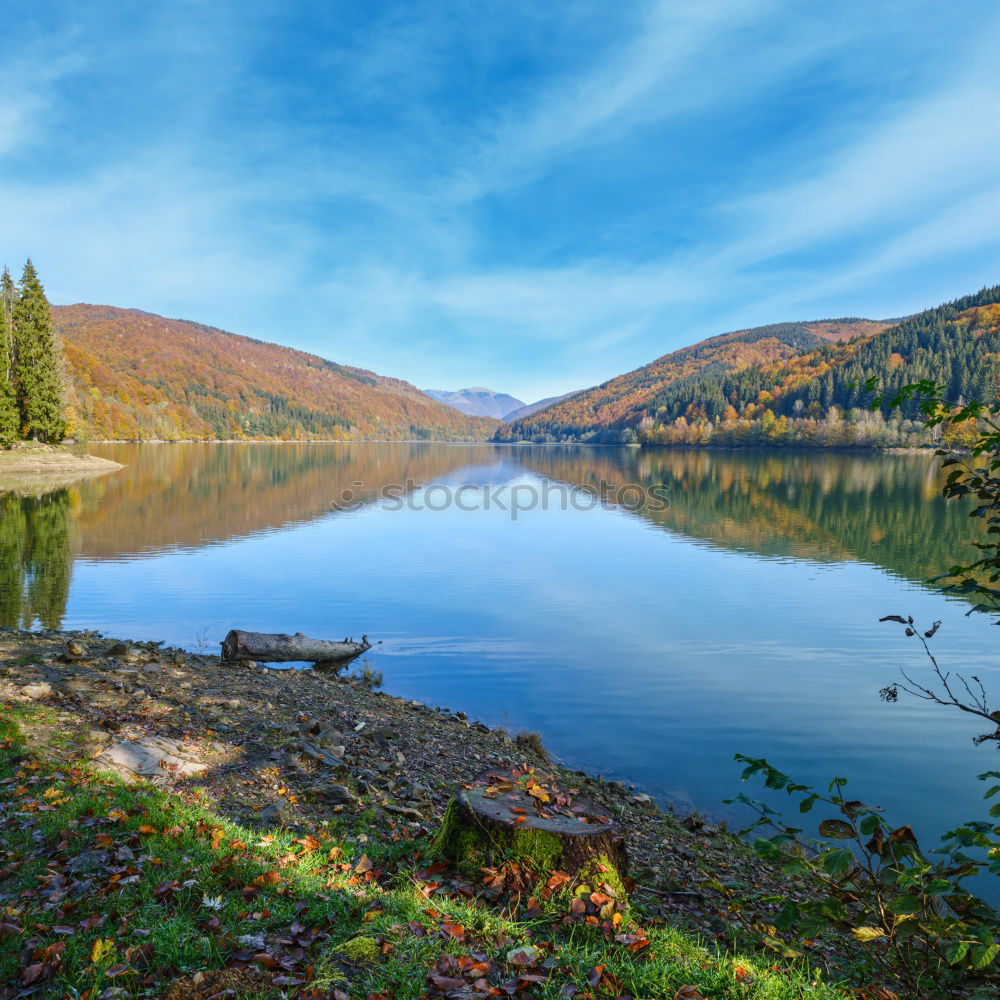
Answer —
883 510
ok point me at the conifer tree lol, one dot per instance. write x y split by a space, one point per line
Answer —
39 366
9 417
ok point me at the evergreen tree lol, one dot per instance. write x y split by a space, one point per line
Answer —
9 419
39 366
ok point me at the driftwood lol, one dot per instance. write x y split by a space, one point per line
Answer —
268 647
525 817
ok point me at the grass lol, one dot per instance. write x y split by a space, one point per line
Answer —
106 885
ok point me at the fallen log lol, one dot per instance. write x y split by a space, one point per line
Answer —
268 647
525 817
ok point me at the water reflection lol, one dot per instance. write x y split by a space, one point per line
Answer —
881 509
885 510
35 555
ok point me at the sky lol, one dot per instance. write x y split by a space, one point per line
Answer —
529 196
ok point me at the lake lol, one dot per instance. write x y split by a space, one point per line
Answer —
703 603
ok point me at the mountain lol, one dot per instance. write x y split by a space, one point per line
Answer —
606 411
794 384
477 401
136 376
527 411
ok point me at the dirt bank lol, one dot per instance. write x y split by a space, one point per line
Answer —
31 467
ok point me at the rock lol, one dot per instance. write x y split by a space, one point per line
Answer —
328 738
324 758
76 649
152 757
340 794
88 861
381 736
272 814
38 692
121 649
692 823
406 811
642 799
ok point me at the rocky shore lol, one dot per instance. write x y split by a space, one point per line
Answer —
295 748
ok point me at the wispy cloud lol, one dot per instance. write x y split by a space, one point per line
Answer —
533 200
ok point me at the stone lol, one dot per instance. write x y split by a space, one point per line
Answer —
340 794
642 799
38 692
122 649
380 736
76 649
88 861
407 811
154 757
324 757
271 814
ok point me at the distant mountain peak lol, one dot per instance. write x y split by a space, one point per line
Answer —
477 401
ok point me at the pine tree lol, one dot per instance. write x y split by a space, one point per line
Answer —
39 367
9 419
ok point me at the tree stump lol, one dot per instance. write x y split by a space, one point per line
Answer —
525 817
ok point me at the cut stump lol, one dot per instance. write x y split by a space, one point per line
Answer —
524 816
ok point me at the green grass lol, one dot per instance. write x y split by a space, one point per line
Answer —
181 885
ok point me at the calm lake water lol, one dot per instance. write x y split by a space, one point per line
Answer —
647 644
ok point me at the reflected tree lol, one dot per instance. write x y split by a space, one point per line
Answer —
35 559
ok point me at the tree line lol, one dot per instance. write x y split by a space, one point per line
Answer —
805 394
32 370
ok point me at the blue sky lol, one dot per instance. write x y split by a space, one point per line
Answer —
529 196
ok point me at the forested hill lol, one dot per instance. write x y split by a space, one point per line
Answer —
796 392
614 410
137 376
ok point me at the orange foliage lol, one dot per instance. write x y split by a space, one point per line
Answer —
136 376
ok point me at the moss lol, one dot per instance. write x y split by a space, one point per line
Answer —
601 872
537 847
362 950
469 849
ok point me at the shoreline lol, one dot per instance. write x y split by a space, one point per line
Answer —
287 757
253 714
743 449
